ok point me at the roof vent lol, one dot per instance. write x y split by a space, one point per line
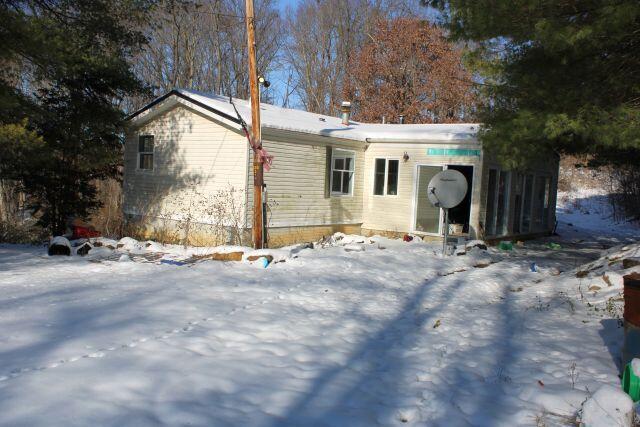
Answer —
401 119
345 109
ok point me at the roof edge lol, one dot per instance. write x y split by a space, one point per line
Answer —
186 98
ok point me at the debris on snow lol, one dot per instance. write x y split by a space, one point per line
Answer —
59 245
84 249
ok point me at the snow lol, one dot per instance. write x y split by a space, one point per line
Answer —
60 241
587 211
275 117
608 407
635 367
389 334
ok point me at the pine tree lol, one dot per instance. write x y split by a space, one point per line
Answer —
558 75
65 72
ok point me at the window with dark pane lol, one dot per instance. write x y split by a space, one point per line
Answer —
392 177
337 181
342 169
380 171
145 152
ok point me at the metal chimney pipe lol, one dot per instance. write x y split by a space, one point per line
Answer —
401 119
345 109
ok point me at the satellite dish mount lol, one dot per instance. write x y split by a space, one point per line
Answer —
447 189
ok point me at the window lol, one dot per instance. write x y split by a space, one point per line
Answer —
145 152
386 177
497 202
342 169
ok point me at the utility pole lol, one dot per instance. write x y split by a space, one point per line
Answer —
258 170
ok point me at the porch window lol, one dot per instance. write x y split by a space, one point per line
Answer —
342 170
386 177
145 152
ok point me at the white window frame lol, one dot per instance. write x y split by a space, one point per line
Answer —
338 153
385 192
140 153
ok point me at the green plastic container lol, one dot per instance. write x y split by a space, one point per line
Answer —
505 245
631 383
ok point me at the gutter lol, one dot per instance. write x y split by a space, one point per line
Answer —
421 141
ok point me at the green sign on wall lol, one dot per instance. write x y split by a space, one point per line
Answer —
453 152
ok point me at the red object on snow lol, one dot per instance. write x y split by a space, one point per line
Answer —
407 238
80 232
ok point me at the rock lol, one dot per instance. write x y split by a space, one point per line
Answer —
594 288
257 257
609 406
84 249
228 256
630 262
581 274
59 246
482 264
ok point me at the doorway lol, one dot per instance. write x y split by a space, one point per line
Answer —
461 214
428 218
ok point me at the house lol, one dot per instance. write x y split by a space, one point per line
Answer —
188 173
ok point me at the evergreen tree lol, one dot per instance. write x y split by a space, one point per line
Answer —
65 71
558 75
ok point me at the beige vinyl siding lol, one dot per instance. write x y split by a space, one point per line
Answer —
194 157
396 213
296 183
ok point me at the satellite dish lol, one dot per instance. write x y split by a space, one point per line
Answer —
447 189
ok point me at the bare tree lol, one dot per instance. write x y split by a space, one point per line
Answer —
323 35
201 45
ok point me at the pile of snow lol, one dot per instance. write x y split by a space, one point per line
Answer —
608 407
601 281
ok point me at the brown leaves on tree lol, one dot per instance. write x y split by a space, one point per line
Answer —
408 68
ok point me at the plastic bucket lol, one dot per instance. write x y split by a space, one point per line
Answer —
631 383
505 245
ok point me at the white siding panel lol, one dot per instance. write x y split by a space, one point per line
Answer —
395 213
296 185
194 158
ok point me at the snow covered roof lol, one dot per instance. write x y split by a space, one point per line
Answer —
288 119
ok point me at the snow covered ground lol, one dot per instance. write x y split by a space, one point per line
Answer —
360 334
587 210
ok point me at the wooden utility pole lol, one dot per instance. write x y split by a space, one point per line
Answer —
258 170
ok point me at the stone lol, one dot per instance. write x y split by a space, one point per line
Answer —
228 256
256 257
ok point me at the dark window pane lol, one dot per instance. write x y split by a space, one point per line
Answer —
145 144
336 184
378 184
338 164
392 177
346 180
146 161
348 164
